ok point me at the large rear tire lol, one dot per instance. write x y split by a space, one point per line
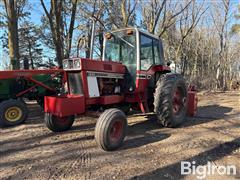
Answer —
110 129
12 112
58 124
170 100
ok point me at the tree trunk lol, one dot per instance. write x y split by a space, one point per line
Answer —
56 24
10 6
71 27
30 54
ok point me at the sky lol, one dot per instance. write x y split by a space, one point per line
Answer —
1 32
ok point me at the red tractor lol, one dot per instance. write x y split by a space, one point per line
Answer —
132 74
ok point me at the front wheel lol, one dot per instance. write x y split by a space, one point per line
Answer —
58 124
170 100
111 129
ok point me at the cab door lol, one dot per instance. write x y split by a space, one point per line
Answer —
150 55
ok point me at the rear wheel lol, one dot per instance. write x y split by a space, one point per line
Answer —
170 100
12 112
58 124
111 129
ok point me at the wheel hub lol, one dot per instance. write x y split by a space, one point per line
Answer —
116 131
13 114
178 101
62 120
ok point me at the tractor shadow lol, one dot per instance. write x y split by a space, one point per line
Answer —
138 134
84 127
35 114
141 134
207 114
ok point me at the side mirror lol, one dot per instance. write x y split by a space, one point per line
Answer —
169 63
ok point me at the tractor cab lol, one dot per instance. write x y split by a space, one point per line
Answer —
139 51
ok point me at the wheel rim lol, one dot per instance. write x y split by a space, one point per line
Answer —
13 114
178 101
116 131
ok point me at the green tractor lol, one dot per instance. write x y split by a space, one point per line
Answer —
25 84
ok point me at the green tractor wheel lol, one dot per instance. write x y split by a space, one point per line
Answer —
12 112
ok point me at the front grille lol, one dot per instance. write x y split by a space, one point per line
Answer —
75 83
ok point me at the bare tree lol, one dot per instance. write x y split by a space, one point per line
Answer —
220 19
71 27
127 10
58 26
96 13
161 14
54 16
189 19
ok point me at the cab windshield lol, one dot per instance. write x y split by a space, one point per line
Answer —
121 47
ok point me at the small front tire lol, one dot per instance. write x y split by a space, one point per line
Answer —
58 124
110 129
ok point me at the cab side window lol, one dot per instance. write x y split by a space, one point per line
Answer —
157 55
146 52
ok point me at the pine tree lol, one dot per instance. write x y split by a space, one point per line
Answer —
29 45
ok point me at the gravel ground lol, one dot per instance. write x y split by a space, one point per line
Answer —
31 151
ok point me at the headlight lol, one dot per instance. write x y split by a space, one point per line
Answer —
77 64
71 64
65 65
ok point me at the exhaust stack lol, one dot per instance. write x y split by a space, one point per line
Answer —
92 37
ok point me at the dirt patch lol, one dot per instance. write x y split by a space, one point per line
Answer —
31 151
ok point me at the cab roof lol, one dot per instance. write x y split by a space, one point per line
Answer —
137 30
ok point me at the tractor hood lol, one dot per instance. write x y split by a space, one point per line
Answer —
79 64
